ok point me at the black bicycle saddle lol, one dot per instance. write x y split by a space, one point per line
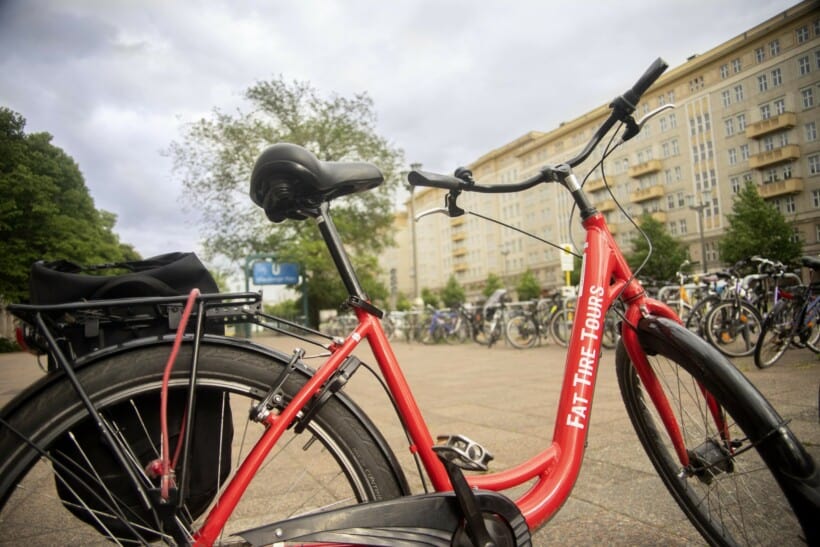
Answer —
289 181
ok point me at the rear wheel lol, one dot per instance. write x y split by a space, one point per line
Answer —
522 332
561 326
729 492
776 334
733 328
696 319
60 485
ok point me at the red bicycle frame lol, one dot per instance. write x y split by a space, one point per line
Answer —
606 276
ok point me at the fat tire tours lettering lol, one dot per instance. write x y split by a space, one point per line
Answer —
585 371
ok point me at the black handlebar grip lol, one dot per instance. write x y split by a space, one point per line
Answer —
647 79
423 178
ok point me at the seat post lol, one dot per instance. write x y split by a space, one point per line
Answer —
337 251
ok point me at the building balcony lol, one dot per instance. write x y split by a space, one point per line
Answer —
459 236
606 205
458 221
786 120
594 185
461 251
653 192
460 268
789 152
780 188
659 216
645 168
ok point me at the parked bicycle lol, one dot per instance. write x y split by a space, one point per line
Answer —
793 322
96 437
531 327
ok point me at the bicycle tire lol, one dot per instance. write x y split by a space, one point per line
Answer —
697 317
741 500
561 326
522 332
733 328
347 464
775 335
813 328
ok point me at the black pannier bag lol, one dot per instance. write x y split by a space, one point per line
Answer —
171 274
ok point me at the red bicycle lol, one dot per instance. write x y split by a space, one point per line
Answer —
86 451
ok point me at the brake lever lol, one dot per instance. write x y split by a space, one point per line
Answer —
633 127
429 212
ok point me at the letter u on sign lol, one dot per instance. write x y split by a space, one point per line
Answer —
274 273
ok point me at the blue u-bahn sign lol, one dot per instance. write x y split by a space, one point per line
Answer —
273 273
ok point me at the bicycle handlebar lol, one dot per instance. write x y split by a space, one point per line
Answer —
622 108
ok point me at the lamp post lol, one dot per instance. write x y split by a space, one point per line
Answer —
704 202
504 252
416 295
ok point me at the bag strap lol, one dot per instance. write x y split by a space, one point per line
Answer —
151 285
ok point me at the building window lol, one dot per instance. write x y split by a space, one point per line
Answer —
678 174
760 54
765 112
808 97
673 229
762 82
817 232
777 77
744 151
682 226
664 125
779 107
675 147
724 72
673 121
774 47
789 205
732 156
815 199
811 131
739 92
802 34
729 126
803 66
814 164
817 59
741 122
726 97
670 201
737 66
696 84
670 97
735 182
768 143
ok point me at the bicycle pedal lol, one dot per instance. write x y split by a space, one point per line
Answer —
464 452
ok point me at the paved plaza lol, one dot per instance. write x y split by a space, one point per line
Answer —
506 400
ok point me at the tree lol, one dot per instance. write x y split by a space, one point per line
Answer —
757 228
215 158
46 212
493 283
528 287
429 297
453 293
667 255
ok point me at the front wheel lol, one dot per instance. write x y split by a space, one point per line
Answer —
741 456
60 484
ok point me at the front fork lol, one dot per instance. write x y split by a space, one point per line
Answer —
654 388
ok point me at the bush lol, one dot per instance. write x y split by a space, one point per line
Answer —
8 346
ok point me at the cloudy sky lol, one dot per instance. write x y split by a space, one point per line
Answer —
114 81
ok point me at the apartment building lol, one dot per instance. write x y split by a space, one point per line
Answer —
747 110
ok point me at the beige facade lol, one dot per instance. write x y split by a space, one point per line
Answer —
746 110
